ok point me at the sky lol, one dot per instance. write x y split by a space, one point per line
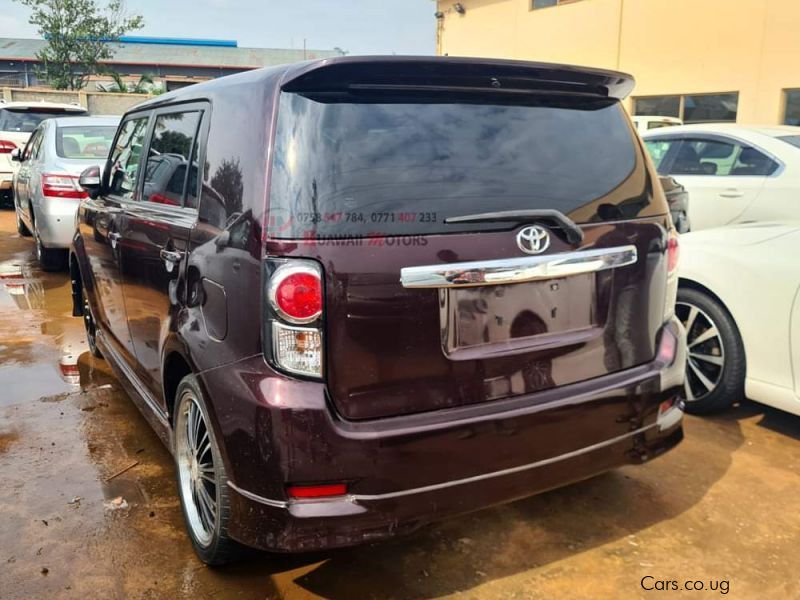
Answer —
356 26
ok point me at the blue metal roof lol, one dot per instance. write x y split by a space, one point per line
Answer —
170 41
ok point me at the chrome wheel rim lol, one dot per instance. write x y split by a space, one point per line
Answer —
196 470
705 356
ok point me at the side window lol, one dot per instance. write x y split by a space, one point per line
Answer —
125 158
37 147
705 157
28 151
754 163
658 150
169 158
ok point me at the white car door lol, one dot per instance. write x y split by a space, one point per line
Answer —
723 176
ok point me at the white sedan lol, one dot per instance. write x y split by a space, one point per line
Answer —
733 173
739 299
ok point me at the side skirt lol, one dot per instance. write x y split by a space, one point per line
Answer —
137 391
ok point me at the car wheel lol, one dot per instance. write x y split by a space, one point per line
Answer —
22 229
50 259
715 360
90 325
202 482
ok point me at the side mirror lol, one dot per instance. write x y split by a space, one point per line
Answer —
16 155
90 181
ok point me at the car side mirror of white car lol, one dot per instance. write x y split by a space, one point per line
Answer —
90 181
16 155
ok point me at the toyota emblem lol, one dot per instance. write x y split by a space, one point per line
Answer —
533 239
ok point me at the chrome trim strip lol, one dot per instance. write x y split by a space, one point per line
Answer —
256 498
455 482
516 270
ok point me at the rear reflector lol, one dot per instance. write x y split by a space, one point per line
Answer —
317 491
62 186
667 347
673 253
666 405
7 147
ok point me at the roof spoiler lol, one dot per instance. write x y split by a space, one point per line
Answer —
403 73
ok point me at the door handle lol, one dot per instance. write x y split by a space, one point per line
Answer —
114 237
731 193
173 256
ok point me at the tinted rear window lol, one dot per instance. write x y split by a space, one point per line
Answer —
26 120
794 140
84 141
399 167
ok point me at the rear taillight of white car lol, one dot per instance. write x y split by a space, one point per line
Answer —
295 298
7 147
672 258
62 186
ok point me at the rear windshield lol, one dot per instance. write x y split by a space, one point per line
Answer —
84 141
794 140
397 167
22 120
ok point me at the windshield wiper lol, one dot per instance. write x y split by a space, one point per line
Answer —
572 232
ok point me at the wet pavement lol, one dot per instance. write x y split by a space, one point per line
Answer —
720 508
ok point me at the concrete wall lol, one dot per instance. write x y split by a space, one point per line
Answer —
98 103
670 46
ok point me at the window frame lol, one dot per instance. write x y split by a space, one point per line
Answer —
132 116
532 5
786 92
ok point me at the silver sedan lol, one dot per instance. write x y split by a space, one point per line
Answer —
46 190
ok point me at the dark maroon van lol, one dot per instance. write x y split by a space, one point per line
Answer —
357 295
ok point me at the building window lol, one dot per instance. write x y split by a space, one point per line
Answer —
792 115
548 3
658 106
692 108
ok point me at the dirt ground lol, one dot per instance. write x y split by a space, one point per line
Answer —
721 510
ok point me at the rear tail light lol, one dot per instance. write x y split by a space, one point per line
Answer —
316 491
62 186
295 298
667 347
7 147
672 257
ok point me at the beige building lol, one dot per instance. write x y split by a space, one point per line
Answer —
701 60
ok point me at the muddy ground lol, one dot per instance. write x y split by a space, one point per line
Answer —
723 507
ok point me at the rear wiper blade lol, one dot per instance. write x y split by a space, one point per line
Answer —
574 234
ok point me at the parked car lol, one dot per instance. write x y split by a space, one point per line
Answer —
17 122
644 124
393 289
738 293
733 173
46 190
678 201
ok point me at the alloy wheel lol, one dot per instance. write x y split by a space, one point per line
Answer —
197 474
705 358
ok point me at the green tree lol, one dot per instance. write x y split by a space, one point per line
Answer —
77 34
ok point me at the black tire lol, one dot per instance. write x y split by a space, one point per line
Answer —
717 357
22 229
50 259
212 543
90 325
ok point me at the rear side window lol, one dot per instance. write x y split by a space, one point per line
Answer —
126 157
716 158
169 156
402 166
87 142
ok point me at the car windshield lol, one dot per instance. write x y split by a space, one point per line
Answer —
403 165
794 140
24 120
84 141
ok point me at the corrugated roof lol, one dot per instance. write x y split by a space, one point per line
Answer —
176 54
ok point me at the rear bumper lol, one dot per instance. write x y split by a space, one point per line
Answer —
55 221
403 473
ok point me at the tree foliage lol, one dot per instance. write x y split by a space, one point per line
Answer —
143 86
77 34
